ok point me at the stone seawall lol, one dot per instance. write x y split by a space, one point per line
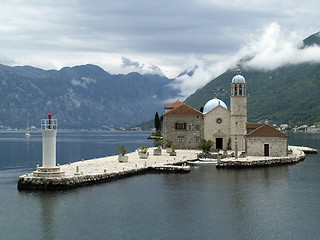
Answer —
261 162
36 183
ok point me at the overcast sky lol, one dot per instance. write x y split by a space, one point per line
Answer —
153 36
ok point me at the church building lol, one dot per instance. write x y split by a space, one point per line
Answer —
228 129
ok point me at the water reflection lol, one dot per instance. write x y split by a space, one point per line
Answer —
47 203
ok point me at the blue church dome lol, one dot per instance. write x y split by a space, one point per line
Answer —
211 104
238 79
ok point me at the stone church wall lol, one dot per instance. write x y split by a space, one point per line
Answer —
217 125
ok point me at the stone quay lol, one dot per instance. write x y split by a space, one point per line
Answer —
104 169
296 154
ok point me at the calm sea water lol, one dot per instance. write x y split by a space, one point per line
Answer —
208 203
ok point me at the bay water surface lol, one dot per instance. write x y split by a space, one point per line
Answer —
280 202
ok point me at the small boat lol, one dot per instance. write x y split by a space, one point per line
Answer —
27 134
203 161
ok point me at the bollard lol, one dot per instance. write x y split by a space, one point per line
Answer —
37 167
77 169
82 159
105 170
136 165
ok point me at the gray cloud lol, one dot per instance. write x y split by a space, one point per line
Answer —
169 34
274 48
126 62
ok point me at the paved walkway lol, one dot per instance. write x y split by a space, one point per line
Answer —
111 164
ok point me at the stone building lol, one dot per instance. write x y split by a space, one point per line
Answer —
185 126
217 123
265 140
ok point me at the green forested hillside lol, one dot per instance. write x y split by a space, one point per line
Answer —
289 94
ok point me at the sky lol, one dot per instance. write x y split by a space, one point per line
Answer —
164 37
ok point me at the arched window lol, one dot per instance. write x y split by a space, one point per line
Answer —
235 90
240 89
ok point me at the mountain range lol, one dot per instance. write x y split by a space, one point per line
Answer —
80 97
89 97
288 94
285 95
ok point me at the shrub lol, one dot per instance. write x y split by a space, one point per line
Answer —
205 145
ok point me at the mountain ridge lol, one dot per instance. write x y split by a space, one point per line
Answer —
84 96
287 94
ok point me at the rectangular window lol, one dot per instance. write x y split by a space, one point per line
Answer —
180 141
197 127
180 125
197 140
189 127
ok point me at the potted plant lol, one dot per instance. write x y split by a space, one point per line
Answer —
122 158
157 151
168 146
173 147
143 152
225 151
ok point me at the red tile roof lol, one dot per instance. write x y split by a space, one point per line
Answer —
266 130
183 109
253 125
174 105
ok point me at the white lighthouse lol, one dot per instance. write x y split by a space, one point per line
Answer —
49 129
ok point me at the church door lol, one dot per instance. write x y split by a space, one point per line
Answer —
266 149
219 143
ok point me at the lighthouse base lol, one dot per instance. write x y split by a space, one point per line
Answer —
44 172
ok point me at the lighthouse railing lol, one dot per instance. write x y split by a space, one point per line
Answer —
47 124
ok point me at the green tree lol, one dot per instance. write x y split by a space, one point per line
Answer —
205 145
157 123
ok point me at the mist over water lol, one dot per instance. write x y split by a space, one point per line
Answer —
208 203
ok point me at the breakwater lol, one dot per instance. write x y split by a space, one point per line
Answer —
100 170
296 155
260 163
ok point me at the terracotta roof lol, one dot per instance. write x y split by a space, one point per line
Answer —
253 125
183 109
266 130
174 105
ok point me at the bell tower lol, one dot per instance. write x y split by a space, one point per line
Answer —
238 108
